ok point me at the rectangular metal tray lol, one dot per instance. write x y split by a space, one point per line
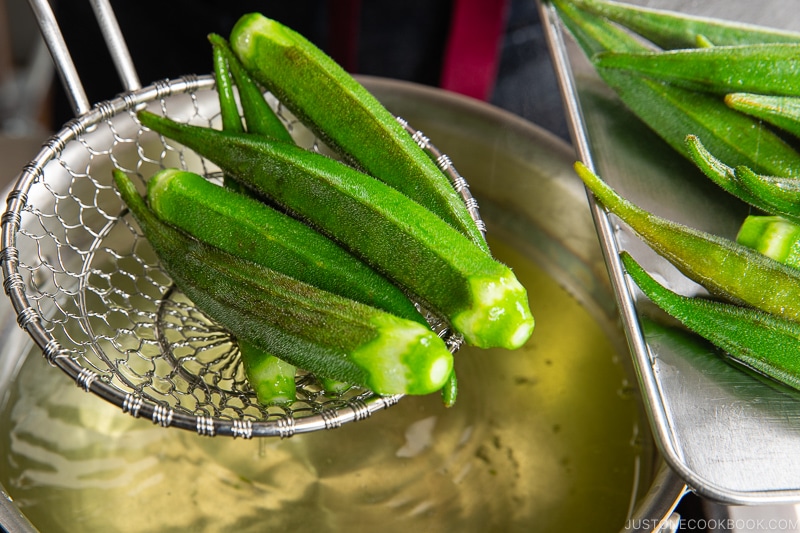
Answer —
732 437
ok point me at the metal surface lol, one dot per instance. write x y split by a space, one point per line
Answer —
731 436
533 202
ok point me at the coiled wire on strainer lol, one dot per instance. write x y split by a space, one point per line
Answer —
88 288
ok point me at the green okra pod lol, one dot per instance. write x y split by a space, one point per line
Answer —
725 268
763 342
594 33
671 29
773 195
272 379
778 192
307 327
250 229
674 112
782 112
772 236
258 115
480 297
755 68
229 110
349 119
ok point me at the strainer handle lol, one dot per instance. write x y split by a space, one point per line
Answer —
54 39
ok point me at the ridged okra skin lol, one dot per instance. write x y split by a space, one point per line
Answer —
754 68
345 115
760 341
724 267
670 29
248 228
307 327
437 264
674 112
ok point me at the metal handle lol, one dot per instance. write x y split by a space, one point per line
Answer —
54 39
655 513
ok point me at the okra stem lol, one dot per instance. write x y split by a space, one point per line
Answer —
763 342
271 378
722 266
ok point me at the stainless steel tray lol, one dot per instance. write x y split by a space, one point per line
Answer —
732 437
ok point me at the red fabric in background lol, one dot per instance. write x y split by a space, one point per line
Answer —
473 47
343 27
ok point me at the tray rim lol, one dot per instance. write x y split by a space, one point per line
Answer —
643 362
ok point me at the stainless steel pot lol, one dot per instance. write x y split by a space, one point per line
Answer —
550 438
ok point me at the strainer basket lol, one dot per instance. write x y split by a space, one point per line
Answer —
90 291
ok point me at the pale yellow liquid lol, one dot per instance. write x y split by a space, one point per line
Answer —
545 438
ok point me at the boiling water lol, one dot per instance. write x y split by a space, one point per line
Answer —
541 439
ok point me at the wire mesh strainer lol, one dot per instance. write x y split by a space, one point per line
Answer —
89 290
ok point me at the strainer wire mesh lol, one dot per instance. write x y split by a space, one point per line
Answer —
90 291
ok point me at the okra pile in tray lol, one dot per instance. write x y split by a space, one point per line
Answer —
319 263
727 97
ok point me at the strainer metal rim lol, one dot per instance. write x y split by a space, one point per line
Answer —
29 319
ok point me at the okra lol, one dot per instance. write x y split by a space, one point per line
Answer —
724 267
307 327
410 245
773 195
760 341
593 33
778 191
229 110
345 116
756 68
671 30
271 378
258 115
782 112
674 112
772 236
248 228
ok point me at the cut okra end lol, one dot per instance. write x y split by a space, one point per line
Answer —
271 378
500 317
404 358
773 236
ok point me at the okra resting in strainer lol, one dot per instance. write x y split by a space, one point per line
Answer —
108 308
